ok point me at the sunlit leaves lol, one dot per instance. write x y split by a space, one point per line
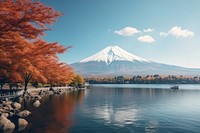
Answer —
24 55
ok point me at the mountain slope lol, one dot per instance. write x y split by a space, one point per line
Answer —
114 61
113 53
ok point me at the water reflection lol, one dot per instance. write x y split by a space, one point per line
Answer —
151 126
138 110
111 110
122 107
55 113
118 117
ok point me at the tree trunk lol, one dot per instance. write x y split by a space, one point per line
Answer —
27 78
25 85
51 87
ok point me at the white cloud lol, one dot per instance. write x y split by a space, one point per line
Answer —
146 38
163 34
148 30
178 32
127 31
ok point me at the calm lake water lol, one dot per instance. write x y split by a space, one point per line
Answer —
119 109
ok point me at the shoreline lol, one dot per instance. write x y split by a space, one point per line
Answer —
10 109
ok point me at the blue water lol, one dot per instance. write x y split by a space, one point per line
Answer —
120 109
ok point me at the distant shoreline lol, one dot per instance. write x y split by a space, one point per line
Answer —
148 83
148 79
147 86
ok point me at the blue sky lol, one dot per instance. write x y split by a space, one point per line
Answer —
162 31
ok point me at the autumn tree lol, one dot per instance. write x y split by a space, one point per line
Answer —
40 63
16 46
24 56
25 17
57 73
77 81
63 74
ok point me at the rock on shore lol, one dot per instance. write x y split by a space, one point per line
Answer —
24 113
16 105
9 108
6 125
22 123
36 103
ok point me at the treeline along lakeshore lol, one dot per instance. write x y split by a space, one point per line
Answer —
148 79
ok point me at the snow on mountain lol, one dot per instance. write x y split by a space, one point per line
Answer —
114 61
113 53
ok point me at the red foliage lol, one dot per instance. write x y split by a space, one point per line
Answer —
26 17
24 56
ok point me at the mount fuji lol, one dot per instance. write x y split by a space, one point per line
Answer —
114 61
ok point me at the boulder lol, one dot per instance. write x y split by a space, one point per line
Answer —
16 105
20 99
6 103
11 114
3 120
6 109
22 123
6 125
5 115
10 107
1 110
37 103
24 113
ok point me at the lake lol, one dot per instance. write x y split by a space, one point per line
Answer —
119 109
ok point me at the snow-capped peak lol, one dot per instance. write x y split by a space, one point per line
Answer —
113 53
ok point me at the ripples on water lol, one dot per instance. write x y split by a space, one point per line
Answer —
119 109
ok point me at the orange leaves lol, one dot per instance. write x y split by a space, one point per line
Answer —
57 73
24 56
77 81
26 17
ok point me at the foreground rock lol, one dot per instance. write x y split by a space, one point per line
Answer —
37 103
6 125
22 123
16 105
20 99
5 115
24 113
13 108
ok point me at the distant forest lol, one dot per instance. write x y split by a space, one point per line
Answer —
148 79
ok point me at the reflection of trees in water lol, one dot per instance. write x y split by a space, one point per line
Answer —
55 114
63 110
